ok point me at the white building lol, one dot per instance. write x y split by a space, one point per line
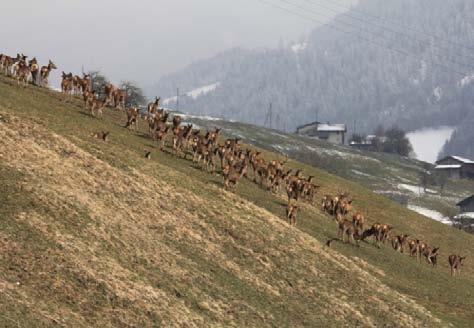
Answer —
334 133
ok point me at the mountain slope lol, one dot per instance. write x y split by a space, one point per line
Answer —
426 81
93 234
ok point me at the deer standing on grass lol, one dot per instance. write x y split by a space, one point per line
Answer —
133 114
67 85
431 255
399 242
34 70
22 73
347 228
153 106
291 212
455 262
44 73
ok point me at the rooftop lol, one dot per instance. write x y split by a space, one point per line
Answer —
458 158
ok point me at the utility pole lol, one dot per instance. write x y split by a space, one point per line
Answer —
177 99
271 114
268 117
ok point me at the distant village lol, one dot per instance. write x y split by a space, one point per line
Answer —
448 168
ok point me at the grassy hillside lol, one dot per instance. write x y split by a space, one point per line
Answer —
93 234
390 175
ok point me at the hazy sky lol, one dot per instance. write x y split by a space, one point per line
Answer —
143 39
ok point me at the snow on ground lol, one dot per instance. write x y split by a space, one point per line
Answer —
466 80
435 215
194 93
202 90
467 215
332 152
361 173
414 189
204 118
298 47
427 143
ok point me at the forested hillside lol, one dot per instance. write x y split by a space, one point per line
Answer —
401 62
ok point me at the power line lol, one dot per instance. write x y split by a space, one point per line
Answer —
379 35
330 25
385 19
350 15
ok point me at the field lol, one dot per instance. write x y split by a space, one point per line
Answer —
94 234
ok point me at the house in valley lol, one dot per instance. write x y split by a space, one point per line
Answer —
455 167
334 133
465 218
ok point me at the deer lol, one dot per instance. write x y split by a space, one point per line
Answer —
132 117
153 106
455 262
181 138
232 175
20 59
358 219
34 70
119 98
97 105
44 73
347 227
109 89
104 135
291 212
379 231
67 84
431 255
398 242
22 73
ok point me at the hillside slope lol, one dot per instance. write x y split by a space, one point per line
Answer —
93 234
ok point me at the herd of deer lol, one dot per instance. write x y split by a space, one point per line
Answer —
235 162
25 71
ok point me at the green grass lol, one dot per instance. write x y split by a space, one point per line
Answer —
191 273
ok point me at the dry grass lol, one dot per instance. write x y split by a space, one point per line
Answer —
95 235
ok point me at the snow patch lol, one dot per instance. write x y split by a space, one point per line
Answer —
194 93
466 215
298 47
414 189
202 90
466 80
435 215
361 173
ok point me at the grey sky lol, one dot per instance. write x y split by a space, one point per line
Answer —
140 40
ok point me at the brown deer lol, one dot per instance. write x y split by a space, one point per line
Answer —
67 85
455 262
153 106
233 174
160 135
347 228
34 70
431 255
358 219
119 98
399 242
22 73
291 212
97 106
133 114
109 90
101 135
44 73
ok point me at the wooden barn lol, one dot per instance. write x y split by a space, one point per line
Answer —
334 133
455 167
467 205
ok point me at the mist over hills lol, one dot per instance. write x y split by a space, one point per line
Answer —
425 80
